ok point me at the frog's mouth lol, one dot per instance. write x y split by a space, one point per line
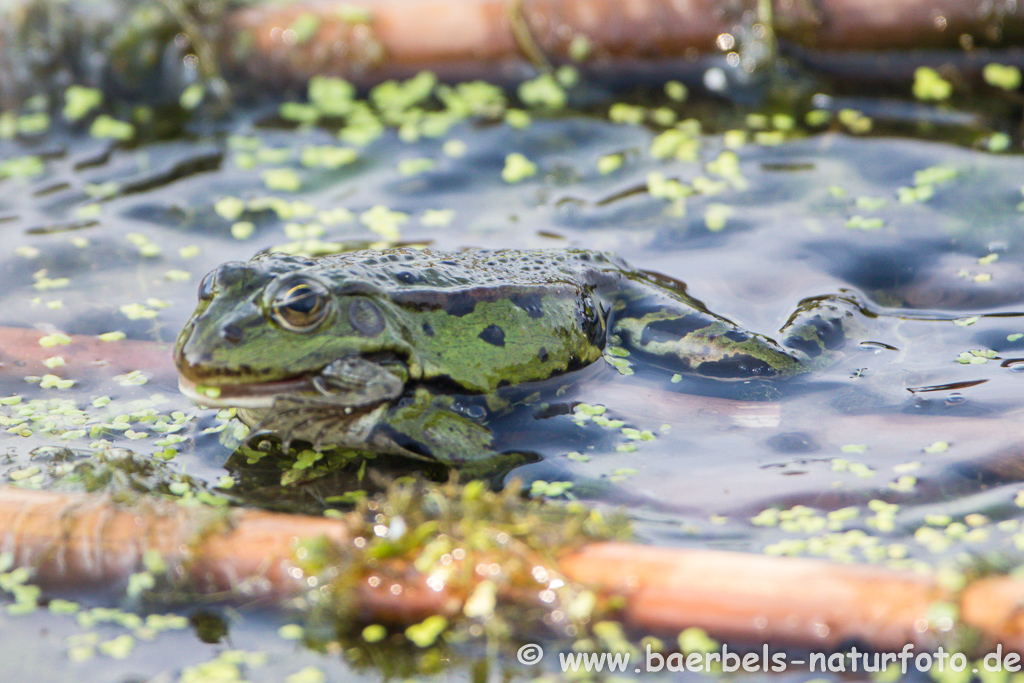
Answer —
255 396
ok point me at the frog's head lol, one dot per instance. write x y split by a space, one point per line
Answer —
271 326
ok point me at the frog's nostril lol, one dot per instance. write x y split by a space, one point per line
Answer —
231 333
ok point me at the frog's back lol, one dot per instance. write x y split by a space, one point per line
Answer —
477 319
408 270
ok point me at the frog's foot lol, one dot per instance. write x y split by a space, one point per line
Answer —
355 382
318 420
821 325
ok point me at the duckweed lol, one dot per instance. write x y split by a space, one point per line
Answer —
517 168
104 126
437 218
929 85
79 101
1002 76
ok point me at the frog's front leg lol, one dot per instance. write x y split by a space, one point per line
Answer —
429 425
352 397
438 427
355 382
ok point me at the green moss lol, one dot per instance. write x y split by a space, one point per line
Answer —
426 633
34 123
674 143
517 118
327 156
445 531
976 356
291 632
915 195
998 142
374 633
392 98
243 230
696 640
549 489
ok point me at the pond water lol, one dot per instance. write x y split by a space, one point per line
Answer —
904 451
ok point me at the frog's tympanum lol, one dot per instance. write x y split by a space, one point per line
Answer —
366 350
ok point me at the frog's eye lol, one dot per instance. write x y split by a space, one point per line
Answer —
207 285
301 305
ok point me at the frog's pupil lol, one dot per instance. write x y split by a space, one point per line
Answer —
302 299
301 307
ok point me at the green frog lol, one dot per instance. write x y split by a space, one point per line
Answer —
371 350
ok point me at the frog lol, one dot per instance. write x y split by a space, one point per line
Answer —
409 351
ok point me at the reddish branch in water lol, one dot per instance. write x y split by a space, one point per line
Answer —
498 38
284 44
22 354
74 539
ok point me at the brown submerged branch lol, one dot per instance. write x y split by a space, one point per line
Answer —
75 539
22 353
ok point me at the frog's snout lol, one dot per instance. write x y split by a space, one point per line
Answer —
191 359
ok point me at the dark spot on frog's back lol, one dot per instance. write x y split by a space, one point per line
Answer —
827 334
428 329
530 303
460 304
673 329
542 354
493 334
811 347
407 277
738 366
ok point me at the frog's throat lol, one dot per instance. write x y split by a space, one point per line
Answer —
250 396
